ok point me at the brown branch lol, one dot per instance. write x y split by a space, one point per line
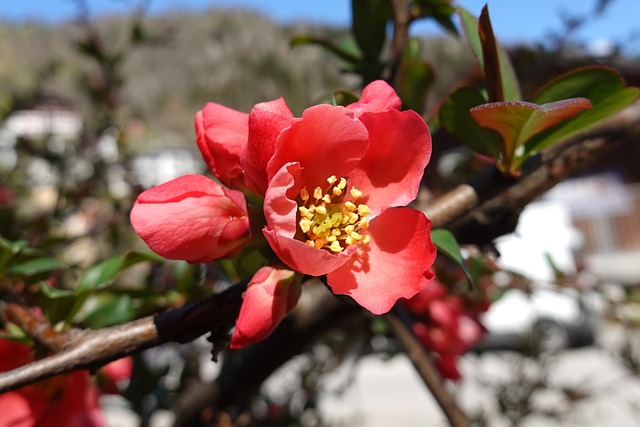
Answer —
401 22
91 349
36 328
421 360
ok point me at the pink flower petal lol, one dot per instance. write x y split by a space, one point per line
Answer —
377 96
395 264
266 121
222 135
325 141
192 218
399 150
280 207
270 295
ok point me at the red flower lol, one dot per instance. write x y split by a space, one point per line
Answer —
192 218
66 400
270 295
334 183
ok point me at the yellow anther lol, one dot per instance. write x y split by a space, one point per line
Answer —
304 194
350 206
329 221
335 247
342 184
355 193
305 225
363 210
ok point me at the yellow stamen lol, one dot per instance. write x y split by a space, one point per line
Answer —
330 222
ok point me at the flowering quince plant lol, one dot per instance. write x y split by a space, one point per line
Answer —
333 186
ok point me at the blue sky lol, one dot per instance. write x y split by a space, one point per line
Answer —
513 20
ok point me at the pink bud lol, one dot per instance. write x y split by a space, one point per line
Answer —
271 294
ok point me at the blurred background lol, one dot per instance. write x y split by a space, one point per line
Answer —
97 100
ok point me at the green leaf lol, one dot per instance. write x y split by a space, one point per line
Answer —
344 53
470 28
56 304
595 83
110 310
344 97
439 10
499 75
369 25
604 109
414 81
35 266
456 119
517 122
101 275
448 246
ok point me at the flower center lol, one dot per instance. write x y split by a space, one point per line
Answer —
329 220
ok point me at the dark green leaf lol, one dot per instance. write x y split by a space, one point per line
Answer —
470 29
456 119
343 97
595 83
448 246
110 310
345 53
35 266
369 25
103 274
56 304
414 81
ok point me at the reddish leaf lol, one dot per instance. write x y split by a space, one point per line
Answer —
517 122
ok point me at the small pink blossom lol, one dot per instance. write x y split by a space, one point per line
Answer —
270 295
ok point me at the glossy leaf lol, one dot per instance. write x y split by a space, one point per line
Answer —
440 10
414 81
594 83
56 304
500 78
110 310
603 86
103 274
35 266
604 109
448 246
456 119
344 54
369 25
517 122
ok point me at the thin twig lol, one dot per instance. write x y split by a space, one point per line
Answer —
427 371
